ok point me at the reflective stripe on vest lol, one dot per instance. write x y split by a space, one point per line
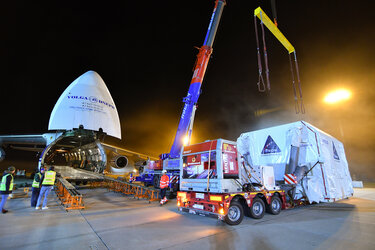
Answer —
164 181
3 186
49 178
36 184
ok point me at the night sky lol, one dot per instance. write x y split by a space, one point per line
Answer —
144 51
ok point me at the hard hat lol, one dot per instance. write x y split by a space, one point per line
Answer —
164 171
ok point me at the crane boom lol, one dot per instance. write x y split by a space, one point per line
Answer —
188 112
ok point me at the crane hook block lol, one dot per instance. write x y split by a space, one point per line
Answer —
273 28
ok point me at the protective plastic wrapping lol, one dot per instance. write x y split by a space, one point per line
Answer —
316 158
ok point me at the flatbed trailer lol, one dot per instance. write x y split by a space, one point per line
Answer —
231 207
265 170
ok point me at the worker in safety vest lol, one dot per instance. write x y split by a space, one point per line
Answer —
36 187
47 180
164 183
6 187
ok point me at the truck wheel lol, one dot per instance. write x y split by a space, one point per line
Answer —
235 213
257 208
156 181
275 205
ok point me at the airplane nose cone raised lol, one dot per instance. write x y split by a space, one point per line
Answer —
86 101
89 78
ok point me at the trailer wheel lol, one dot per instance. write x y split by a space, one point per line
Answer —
257 208
235 213
275 205
156 181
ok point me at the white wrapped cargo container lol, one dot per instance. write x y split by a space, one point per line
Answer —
301 148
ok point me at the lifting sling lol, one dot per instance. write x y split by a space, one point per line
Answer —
261 86
264 19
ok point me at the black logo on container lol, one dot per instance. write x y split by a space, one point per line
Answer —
270 147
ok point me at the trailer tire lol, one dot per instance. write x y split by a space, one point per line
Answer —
275 205
156 181
257 208
235 213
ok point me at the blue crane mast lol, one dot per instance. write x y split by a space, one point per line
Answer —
171 161
185 125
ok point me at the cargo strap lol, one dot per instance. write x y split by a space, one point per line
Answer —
267 72
299 107
274 13
260 83
209 168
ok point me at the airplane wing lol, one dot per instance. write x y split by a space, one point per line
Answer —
121 161
35 143
78 147
128 152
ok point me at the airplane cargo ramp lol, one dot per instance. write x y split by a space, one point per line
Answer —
70 173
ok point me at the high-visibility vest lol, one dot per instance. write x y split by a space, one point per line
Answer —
3 185
49 178
36 184
164 181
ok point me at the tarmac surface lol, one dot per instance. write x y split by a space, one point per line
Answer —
115 221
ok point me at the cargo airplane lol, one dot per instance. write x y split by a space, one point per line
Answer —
83 115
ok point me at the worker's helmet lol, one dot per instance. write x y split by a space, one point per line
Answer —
164 171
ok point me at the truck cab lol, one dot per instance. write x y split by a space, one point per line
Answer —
213 183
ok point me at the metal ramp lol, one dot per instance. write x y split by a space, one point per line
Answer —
71 199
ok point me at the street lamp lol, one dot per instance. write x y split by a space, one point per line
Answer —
337 96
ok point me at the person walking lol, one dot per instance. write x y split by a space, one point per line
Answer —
6 187
36 187
164 183
47 180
